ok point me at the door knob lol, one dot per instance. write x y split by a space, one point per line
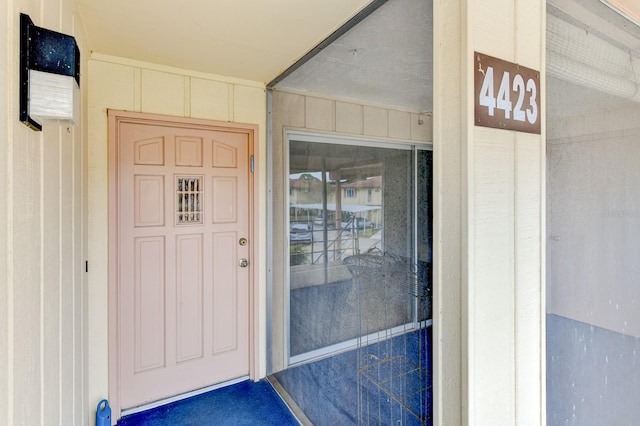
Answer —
243 263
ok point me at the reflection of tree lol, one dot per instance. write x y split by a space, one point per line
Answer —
298 255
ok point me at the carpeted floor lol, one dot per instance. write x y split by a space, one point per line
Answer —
245 403
393 385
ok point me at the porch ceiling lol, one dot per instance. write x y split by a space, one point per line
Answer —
384 60
249 39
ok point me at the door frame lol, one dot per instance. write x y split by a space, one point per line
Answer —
115 118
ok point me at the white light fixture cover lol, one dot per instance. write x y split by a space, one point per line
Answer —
53 97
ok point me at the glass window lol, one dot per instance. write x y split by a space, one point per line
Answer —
330 223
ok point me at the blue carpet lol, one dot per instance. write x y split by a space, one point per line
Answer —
245 403
328 391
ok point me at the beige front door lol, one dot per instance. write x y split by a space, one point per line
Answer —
183 283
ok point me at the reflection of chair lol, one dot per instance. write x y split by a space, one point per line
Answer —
396 273
393 300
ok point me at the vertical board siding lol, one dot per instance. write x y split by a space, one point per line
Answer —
320 114
209 99
51 273
510 347
245 101
528 296
349 118
449 334
163 93
502 214
376 121
492 325
494 28
41 246
399 125
69 225
529 35
25 261
5 294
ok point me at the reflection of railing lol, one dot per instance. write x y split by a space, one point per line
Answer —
335 248
308 244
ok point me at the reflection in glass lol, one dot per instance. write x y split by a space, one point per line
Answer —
347 200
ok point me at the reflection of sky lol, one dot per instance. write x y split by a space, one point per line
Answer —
317 175
314 174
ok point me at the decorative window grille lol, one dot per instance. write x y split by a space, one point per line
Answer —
189 200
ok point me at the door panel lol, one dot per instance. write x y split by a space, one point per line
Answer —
189 295
183 299
225 209
149 318
225 293
149 200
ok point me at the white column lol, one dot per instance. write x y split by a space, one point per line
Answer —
489 221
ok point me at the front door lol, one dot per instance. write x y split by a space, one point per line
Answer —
183 283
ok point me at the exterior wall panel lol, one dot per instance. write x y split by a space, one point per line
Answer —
449 229
42 243
209 99
499 175
528 276
162 93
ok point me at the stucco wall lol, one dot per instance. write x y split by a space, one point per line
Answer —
593 240
117 83
594 217
42 243
592 375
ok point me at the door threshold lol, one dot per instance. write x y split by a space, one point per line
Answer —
180 397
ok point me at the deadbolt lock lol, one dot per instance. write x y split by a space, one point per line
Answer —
242 242
243 263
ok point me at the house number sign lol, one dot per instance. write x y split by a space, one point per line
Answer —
507 95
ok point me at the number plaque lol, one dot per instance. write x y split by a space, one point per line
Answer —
507 95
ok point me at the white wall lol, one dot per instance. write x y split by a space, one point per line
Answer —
594 218
117 83
42 243
593 230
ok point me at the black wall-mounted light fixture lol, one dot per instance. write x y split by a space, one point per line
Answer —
49 76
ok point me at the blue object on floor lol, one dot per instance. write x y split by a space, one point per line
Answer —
245 403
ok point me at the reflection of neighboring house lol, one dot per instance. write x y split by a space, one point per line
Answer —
366 192
305 193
